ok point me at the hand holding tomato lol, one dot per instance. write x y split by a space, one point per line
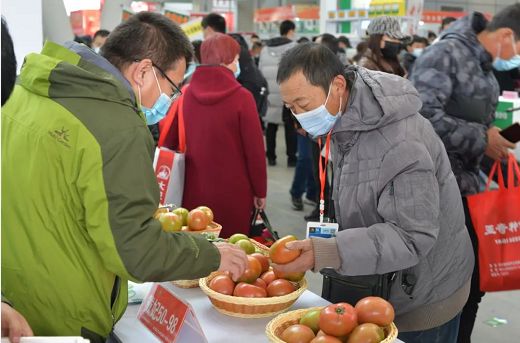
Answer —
302 263
232 259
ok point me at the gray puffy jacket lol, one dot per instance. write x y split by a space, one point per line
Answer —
396 199
269 59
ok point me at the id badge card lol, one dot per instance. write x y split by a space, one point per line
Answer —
322 230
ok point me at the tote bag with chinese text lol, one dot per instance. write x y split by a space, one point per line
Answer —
496 218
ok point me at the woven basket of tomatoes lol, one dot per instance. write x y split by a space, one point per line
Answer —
198 220
370 321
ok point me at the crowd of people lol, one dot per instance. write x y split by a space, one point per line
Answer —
410 120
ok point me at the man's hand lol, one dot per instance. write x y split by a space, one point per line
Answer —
260 203
497 145
14 324
304 262
232 259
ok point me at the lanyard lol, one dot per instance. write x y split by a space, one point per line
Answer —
323 174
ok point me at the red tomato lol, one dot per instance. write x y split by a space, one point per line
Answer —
280 254
268 277
170 222
338 319
325 339
297 334
197 220
295 277
342 339
260 283
375 310
264 262
208 212
367 333
253 272
222 284
246 290
279 288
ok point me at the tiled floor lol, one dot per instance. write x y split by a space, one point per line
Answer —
287 221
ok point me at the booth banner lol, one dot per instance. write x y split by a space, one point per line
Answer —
76 20
436 17
178 17
275 14
193 28
307 12
127 14
414 10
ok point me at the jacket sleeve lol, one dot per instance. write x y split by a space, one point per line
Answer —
432 75
252 141
409 206
120 196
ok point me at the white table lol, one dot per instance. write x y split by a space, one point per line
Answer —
217 327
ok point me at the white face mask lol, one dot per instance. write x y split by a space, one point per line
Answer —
319 121
96 50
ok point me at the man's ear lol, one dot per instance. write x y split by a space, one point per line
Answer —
139 70
503 35
340 85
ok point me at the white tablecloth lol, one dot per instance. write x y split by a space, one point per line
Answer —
217 327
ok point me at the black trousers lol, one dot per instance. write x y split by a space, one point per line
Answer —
469 312
290 140
316 155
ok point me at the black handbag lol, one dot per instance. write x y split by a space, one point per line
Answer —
257 228
350 289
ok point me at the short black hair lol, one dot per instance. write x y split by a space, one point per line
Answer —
286 26
418 39
431 34
147 35
215 21
101 33
317 63
447 21
255 36
509 17
345 41
8 63
303 40
196 46
330 42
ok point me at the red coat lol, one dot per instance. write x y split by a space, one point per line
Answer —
225 153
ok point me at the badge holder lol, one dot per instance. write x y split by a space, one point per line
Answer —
321 229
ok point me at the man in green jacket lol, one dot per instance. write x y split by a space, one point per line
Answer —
78 187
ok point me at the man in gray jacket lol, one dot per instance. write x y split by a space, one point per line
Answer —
396 199
269 58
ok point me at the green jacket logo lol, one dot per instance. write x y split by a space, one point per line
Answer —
61 136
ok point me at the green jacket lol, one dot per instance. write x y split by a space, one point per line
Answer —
78 196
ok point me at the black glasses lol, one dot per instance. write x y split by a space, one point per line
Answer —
176 91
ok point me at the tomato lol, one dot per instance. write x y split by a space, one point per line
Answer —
222 284
252 272
260 283
280 254
237 237
197 220
297 334
375 310
279 288
325 339
367 333
183 213
208 212
247 246
338 319
311 319
295 277
342 339
264 261
246 290
268 277
159 212
170 222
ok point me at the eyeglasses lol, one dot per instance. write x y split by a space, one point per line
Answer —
176 91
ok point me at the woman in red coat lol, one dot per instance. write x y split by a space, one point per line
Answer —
225 154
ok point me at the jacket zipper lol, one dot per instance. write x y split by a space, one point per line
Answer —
113 298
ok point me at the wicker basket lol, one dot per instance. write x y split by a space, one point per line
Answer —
186 284
277 326
260 248
214 229
251 308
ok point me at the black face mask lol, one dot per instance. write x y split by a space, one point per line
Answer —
391 49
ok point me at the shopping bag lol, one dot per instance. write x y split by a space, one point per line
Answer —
496 218
261 229
170 165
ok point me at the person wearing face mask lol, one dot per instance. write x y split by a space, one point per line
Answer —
225 163
460 95
100 38
396 200
412 51
384 46
78 186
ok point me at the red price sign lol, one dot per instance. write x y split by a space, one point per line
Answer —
163 314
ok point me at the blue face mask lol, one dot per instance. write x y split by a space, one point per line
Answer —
510 64
319 121
160 108
190 70
237 73
417 52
